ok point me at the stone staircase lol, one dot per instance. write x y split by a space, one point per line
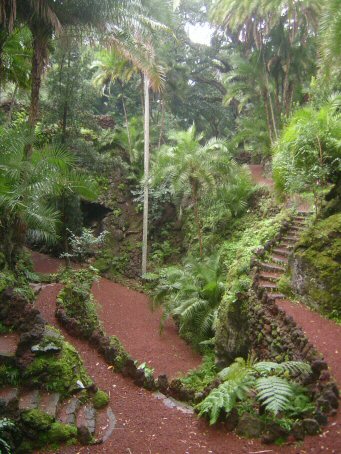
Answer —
98 424
272 268
78 410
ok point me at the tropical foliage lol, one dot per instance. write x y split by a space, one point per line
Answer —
271 384
191 294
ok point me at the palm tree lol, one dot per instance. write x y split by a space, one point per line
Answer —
138 48
192 169
330 42
112 67
28 187
48 17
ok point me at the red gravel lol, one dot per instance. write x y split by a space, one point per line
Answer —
257 175
144 424
128 315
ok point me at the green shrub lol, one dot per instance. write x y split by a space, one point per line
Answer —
100 399
122 356
60 433
191 294
197 379
36 419
77 300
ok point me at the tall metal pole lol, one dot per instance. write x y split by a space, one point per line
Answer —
146 176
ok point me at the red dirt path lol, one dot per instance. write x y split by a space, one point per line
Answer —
144 424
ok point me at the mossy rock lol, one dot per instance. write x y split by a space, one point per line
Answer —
122 355
316 267
57 373
36 419
100 399
60 433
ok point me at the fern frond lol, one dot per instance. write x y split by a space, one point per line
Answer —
274 393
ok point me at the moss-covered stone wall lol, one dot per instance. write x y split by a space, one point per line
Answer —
316 266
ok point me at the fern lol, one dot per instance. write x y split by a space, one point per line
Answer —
5 425
224 397
294 368
274 393
264 380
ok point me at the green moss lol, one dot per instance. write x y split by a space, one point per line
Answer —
26 447
37 419
58 373
9 375
284 285
77 300
100 399
4 329
319 253
60 433
122 355
252 231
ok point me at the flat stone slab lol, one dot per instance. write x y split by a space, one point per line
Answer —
49 402
68 411
169 402
29 399
105 423
8 399
87 417
8 345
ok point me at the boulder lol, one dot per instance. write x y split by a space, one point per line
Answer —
249 426
311 426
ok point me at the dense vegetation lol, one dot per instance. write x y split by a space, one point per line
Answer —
124 143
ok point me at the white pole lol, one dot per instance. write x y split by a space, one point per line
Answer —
146 176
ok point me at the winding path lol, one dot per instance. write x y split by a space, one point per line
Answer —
144 424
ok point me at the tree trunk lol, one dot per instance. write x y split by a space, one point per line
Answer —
162 122
9 117
146 176
268 120
196 215
126 120
39 57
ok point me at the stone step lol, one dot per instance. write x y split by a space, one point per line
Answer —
275 296
86 417
279 258
270 275
67 412
49 402
305 213
267 284
281 251
291 238
272 267
29 399
286 244
8 347
297 228
105 424
8 400
300 218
